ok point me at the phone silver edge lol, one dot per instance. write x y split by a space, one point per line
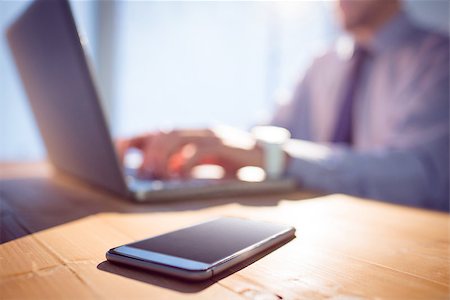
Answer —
200 271
155 267
252 250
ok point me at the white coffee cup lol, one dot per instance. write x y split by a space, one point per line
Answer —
272 139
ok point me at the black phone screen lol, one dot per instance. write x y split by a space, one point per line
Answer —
212 241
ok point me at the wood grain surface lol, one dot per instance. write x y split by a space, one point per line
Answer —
55 233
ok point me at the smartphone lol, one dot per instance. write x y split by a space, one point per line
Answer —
204 250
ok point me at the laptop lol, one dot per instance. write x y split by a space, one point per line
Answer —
65 103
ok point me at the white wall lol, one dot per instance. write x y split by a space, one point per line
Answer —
196 63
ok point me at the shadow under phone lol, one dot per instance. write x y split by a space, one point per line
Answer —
177 284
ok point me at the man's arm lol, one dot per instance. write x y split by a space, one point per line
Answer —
404 177
295 114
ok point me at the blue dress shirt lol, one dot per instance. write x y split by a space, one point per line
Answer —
400 150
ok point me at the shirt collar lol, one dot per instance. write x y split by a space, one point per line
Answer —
391 34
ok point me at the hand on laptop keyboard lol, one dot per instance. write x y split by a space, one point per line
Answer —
175 153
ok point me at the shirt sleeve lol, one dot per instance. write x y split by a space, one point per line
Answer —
404 177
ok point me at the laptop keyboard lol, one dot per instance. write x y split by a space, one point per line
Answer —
173 184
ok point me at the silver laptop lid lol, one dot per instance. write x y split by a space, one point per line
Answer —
53 67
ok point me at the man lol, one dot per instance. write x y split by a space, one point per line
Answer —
369 118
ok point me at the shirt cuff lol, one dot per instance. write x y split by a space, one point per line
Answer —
309 162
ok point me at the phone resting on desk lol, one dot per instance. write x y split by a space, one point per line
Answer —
204 250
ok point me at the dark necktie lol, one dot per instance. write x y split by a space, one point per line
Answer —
343 131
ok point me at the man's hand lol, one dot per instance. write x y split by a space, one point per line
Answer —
175 153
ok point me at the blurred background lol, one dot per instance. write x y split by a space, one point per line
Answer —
185 64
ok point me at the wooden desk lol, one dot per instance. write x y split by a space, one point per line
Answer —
346 248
